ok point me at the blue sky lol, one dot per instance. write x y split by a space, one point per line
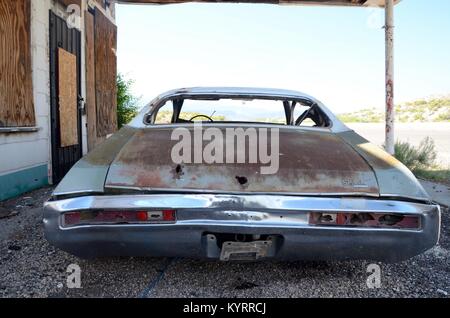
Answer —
333 53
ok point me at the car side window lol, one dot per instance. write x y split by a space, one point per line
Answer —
310 117
308 122
299 110
164 115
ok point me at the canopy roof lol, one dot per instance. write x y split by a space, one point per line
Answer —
376 3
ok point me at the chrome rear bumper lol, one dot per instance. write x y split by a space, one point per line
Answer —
200 216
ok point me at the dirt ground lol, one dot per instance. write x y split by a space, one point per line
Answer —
30 267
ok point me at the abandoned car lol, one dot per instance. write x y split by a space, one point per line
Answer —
240 174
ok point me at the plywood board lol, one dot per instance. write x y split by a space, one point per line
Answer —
101 3
105 74
91 109
67 88
16 88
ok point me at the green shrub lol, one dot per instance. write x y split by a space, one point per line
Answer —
438 175
416 158
444 117
126 103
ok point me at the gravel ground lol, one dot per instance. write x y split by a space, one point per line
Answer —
30 267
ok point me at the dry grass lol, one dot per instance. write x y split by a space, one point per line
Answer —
421 160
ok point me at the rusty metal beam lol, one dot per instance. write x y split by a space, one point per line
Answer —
390 111
376 3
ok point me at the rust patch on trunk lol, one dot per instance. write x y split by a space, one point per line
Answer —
310 162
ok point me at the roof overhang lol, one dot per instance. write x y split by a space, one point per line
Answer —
357 3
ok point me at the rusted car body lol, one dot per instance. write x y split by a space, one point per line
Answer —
334 196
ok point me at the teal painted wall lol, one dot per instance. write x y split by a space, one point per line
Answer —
16 183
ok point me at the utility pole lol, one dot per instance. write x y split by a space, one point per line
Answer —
390 111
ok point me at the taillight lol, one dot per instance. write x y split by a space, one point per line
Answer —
378 220
118 217
142 216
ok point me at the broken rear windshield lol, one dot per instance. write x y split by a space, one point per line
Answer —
240 110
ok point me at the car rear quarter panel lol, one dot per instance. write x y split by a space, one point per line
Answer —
88 175
394 179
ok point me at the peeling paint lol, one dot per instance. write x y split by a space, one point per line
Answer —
311 162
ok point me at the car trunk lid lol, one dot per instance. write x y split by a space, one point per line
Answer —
311 162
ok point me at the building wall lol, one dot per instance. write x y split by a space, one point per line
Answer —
25 157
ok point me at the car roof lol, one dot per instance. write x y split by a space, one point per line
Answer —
234 91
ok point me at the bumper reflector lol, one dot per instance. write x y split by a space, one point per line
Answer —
118 217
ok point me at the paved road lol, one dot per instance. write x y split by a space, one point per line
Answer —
30 267
439 193
413 133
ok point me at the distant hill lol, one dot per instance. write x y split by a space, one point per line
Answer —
422 110
165 117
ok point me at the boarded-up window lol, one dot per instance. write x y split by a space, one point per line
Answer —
16 89
105 74
67 88
91 109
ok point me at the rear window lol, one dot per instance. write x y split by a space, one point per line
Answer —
227 110
239 110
